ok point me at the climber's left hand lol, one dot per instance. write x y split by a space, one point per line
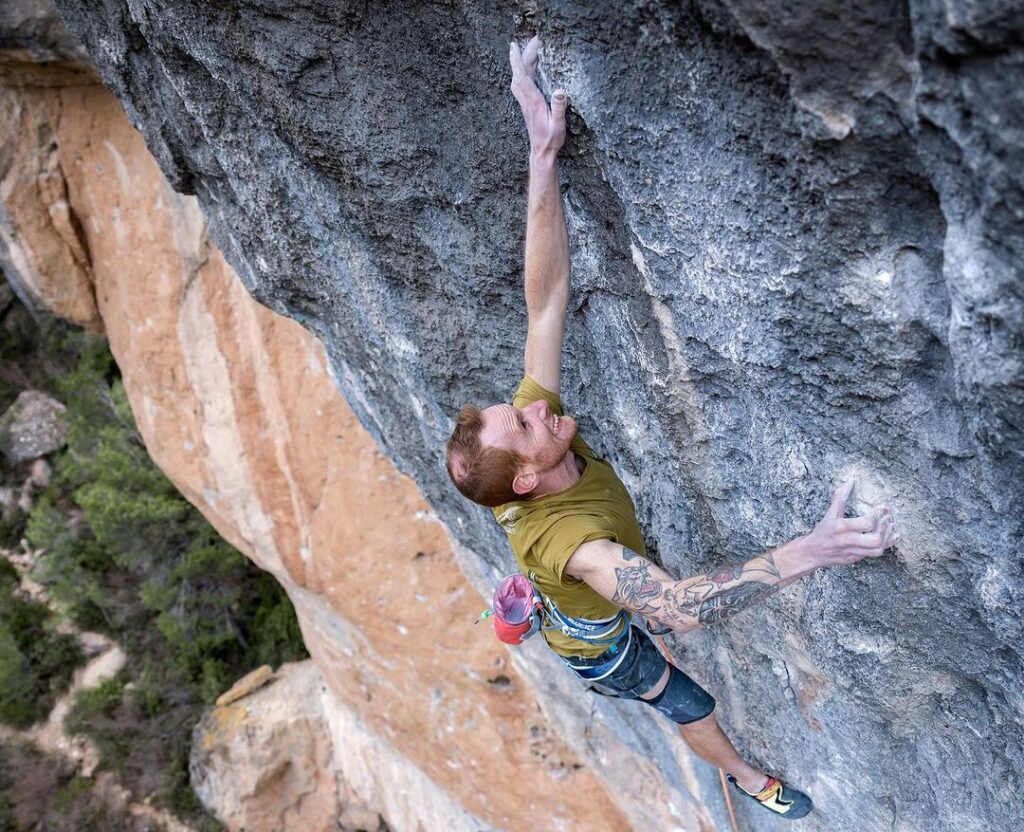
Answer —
545 125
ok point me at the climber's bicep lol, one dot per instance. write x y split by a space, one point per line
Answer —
620 575
544 348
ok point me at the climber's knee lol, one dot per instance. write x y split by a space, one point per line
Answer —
658 687
641 673
705 722
682 700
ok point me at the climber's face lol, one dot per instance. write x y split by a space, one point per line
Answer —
534 432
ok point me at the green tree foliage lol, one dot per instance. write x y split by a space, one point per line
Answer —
12 527
36 662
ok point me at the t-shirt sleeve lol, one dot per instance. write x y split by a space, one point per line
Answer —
566 536
530 391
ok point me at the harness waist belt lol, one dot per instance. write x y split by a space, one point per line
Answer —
594 673
602 631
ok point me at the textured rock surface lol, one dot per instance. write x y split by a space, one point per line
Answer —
31 30
287 756
239 407
263 760
42 251
32 427
797 246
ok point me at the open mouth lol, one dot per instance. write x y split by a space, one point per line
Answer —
555 423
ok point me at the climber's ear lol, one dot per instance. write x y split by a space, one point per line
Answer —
524 482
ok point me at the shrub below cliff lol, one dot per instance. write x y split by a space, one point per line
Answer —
42 792
36 661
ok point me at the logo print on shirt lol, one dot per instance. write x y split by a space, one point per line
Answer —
509 519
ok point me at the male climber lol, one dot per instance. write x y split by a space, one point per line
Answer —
572 525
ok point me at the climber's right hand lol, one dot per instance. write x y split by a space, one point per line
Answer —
545 125
837 540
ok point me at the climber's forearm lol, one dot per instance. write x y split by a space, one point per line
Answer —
720 595
547 242
634 582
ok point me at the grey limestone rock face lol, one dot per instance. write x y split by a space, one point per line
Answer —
32 26
797 244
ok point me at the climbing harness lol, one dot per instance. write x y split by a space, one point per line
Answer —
519 611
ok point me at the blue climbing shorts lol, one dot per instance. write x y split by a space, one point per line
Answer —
633 667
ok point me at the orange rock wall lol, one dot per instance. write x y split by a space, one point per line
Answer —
39 233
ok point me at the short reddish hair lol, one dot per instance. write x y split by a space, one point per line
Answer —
482 474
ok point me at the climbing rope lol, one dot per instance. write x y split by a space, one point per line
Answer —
728 800
660 641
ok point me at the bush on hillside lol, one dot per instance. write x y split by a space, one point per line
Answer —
36 662
42 792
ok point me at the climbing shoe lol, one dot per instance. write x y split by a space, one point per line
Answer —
777 797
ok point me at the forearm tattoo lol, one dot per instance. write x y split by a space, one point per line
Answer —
635 589
702 599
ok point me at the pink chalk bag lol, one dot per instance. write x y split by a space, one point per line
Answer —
519 611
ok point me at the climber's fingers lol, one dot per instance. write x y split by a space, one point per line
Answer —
545 124
529 56
857 524
839 499
523 87
524 61
872 543
559 101
865 523
515 59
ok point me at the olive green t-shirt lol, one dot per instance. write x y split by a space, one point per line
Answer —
545 532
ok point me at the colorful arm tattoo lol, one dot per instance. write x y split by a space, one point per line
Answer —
692 602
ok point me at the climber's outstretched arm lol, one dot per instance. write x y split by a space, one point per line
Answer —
546 275
635 583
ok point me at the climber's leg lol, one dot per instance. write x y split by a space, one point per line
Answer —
643 673
685 702
707 739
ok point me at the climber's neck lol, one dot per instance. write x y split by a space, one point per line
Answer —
560 478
